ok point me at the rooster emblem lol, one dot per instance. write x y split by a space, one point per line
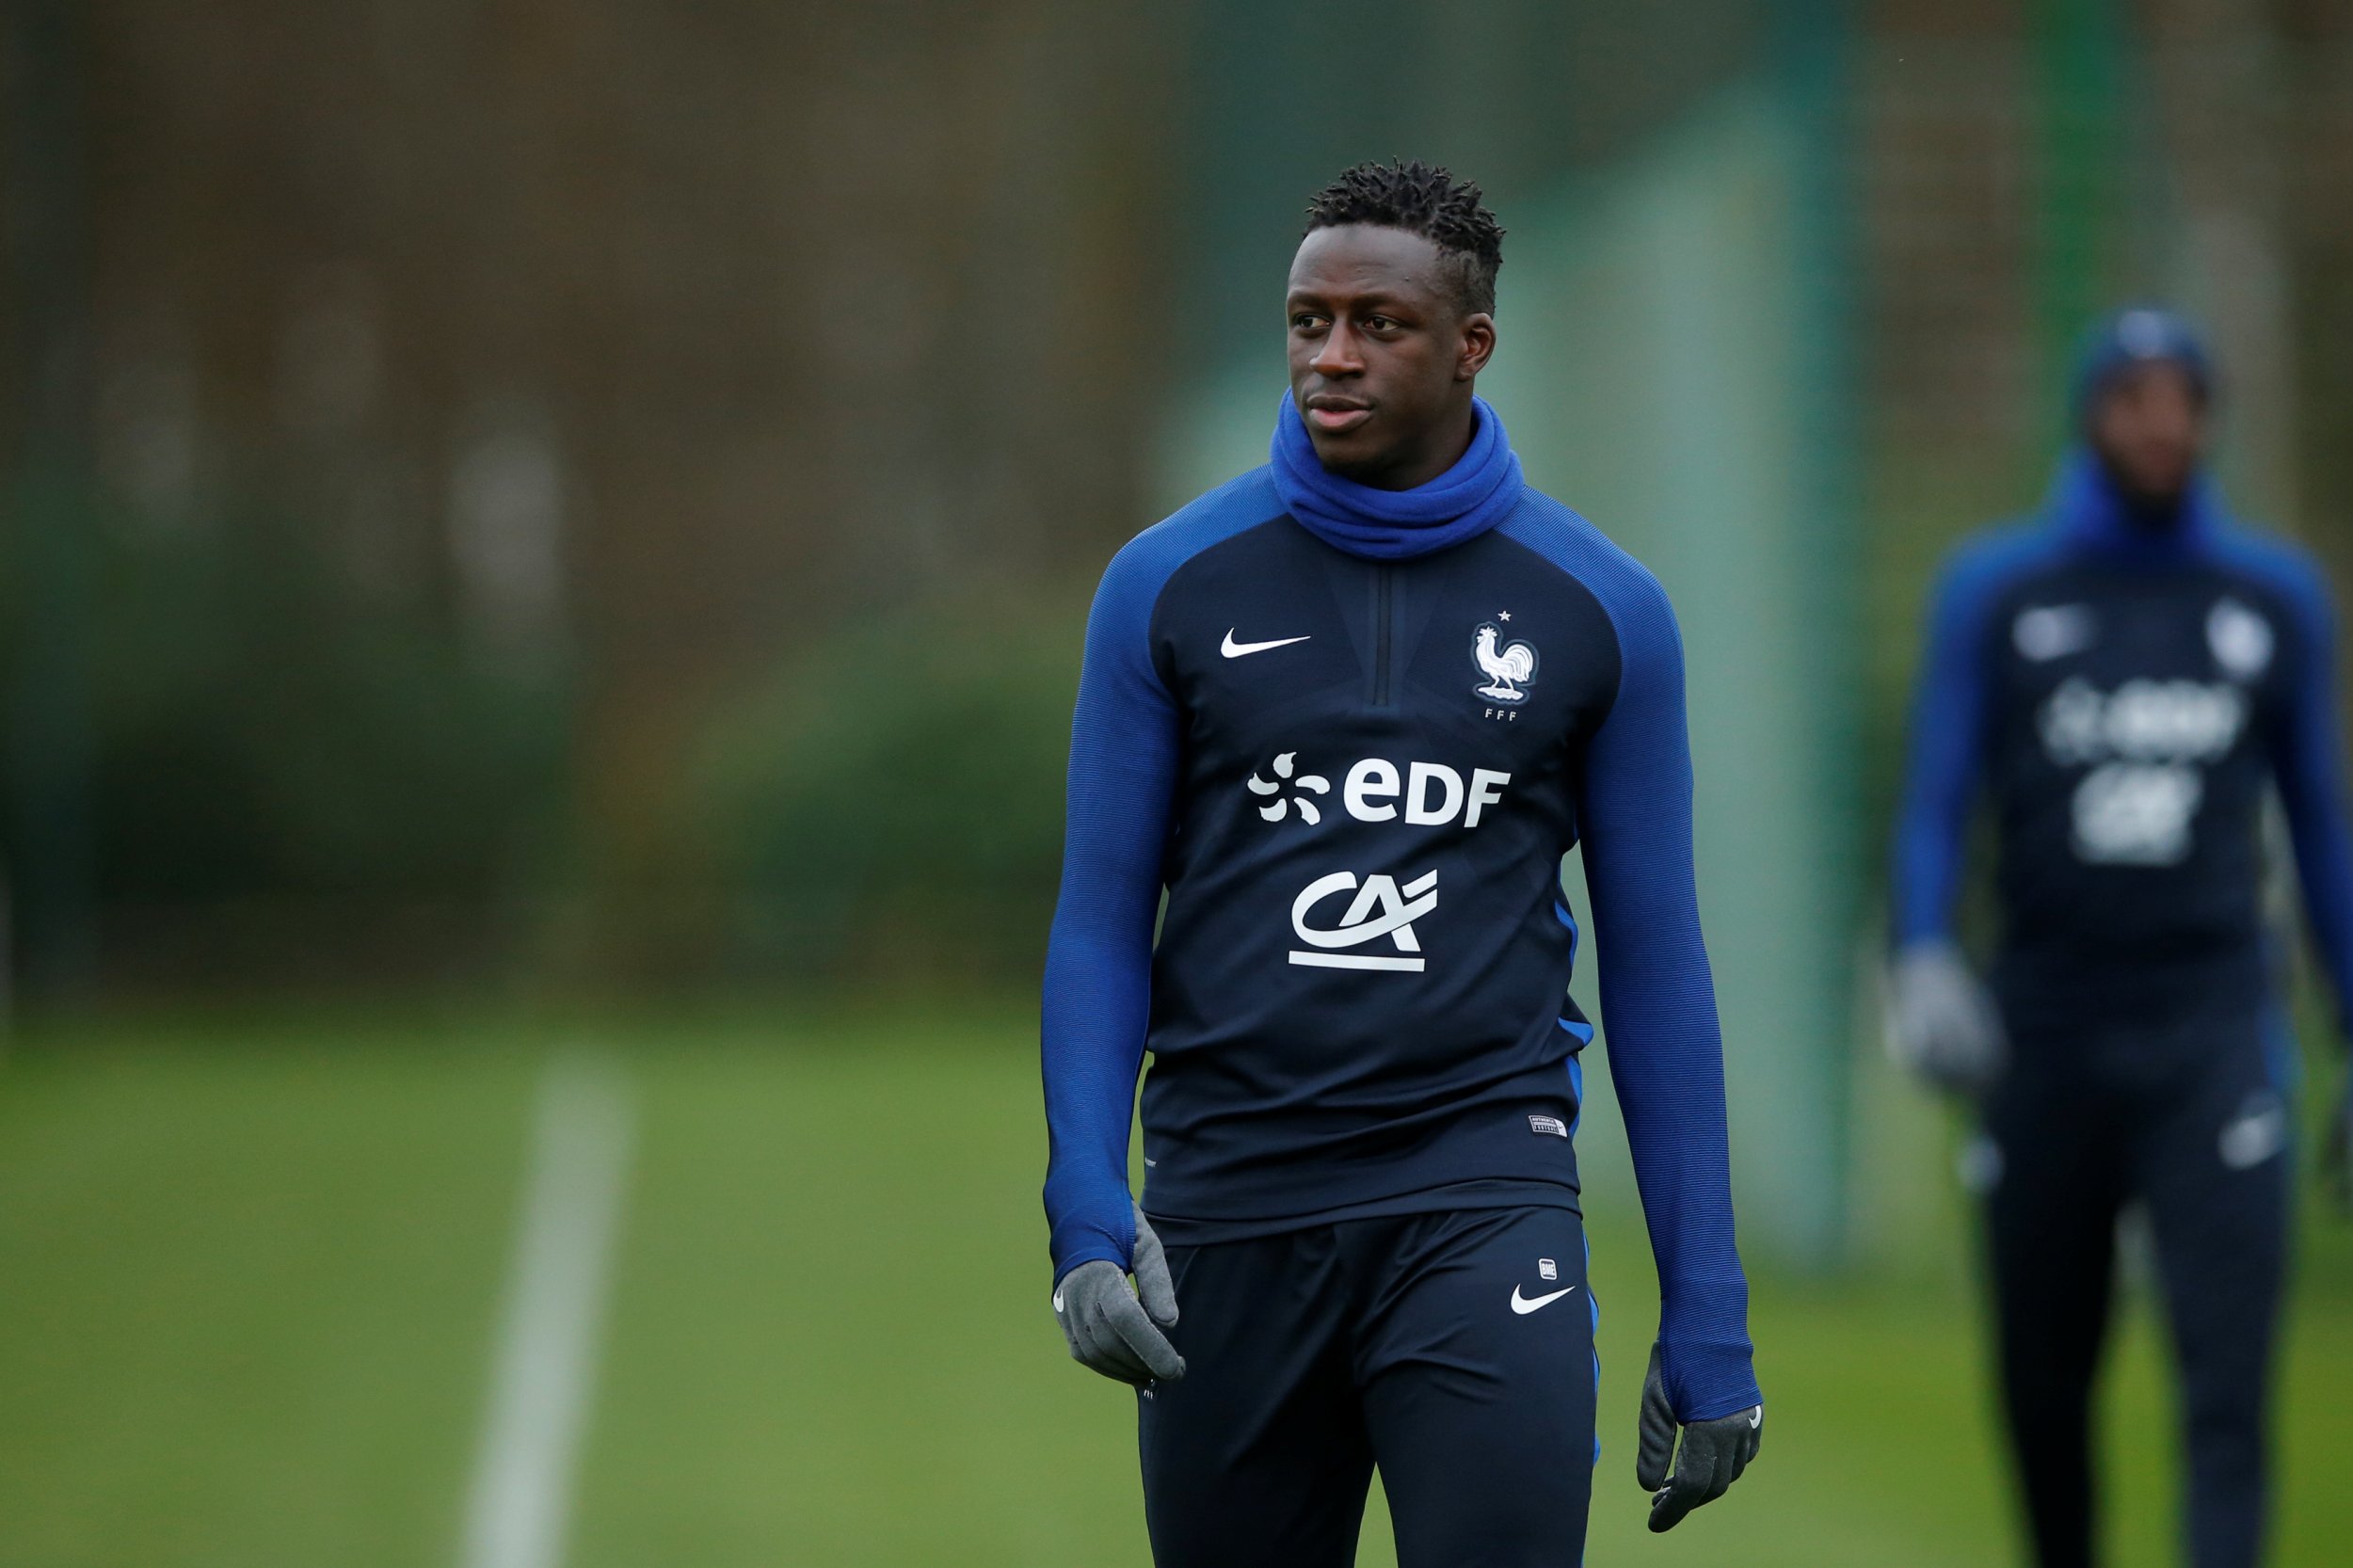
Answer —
1508 666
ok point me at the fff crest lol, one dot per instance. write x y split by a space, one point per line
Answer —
1509 666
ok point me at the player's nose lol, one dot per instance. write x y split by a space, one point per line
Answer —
1337 354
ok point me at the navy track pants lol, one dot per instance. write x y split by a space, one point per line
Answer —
1452 1349
2195 1128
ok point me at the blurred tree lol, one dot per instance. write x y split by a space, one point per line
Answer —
596 355
890 805
46 876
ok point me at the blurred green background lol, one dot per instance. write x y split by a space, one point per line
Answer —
544 550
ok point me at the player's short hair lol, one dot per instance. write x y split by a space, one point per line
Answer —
1429 201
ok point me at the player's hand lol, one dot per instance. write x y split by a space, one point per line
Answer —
1116 1330
1713 1454
1941 1023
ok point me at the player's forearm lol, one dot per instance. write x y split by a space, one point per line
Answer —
1097 1005
1090 1221
2311 795
1097 997
1942 761
1713 1372
1671 1092
1932 819
2324 867
1927 863
1666 1061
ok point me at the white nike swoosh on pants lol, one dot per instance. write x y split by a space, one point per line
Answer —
1522 1305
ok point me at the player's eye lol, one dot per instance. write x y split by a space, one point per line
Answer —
1307 322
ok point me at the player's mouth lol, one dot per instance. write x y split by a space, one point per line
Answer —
1336 416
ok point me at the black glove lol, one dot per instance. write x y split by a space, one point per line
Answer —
1713 1452
1110 1329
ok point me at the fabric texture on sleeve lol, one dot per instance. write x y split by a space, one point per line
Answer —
1126 737
1658 995
1099 958
2308 758
1946 755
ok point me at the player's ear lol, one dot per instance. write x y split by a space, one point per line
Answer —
1478 345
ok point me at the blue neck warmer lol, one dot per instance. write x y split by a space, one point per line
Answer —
1465 500
2090 508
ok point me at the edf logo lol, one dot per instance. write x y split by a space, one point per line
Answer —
1424 795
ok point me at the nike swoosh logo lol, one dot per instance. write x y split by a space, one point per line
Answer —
2061 644
1233 649
2054 631
1756 1418
1057 1302
1522 1305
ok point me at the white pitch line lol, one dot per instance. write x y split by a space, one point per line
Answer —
545 1369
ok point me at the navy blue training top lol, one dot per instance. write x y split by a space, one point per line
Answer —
1355 780
2127 693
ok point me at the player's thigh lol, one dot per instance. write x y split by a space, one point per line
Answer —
1257 1455
2216 1171
1479 1379
2052 1168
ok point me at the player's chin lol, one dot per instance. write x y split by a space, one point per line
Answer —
1362 453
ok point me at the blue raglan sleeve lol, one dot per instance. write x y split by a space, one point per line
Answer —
1943 757
1658 1005
2308 763
1124 747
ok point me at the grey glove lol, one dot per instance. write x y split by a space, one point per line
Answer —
1713 1452
1112 1329
1941 1023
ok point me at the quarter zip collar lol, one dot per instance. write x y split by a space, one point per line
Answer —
1465 500
2087 507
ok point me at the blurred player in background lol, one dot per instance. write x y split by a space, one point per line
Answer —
1350 711
2128 674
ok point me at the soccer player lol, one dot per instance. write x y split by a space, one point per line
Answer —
2126 673
1348 712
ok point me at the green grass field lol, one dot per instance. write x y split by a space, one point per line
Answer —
250 1276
